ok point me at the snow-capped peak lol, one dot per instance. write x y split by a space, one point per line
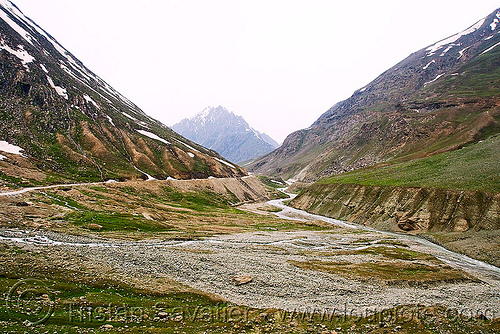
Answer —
433 48
203 114
225 132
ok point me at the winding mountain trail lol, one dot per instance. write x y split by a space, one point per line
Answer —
25 190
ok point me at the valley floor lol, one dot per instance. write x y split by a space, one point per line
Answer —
187 252
296 270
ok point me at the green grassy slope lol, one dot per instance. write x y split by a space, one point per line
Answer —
475 167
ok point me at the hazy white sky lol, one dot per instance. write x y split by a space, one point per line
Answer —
279 64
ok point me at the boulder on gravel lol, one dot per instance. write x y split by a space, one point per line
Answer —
242 279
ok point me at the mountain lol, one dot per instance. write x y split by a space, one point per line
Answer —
223 131
439 99
71 124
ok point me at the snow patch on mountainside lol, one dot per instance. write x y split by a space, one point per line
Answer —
436 78
224 162
448 49
433 48
80 72
67 70
149 177
9 148
495 22
183 143
59 90
52 41
110 120
489 49
44 68
461 52
89 100
429 64
16 13
153 136
22 54
132 118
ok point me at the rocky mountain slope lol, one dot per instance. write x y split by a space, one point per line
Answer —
439 99
221 130
60 119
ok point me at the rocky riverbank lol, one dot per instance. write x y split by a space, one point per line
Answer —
448 216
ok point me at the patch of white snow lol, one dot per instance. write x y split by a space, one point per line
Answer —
436 78
21 31
433 48
20 53
429 64
489 49
2 157
461 52
152 136
44 68
59 90
110 120
224 162
9 148
89 100
190 154
183 143
495 22
150 178
448 49
132 118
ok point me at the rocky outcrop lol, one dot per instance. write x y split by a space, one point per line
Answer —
404 209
